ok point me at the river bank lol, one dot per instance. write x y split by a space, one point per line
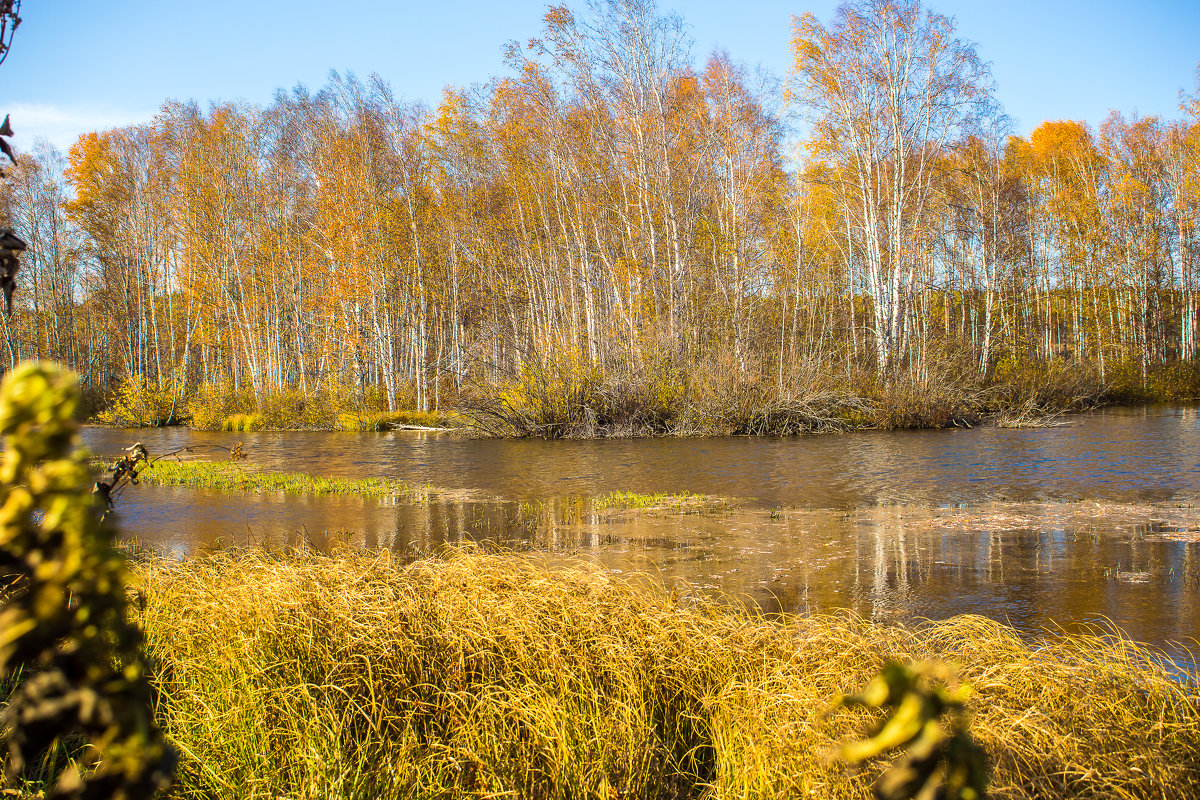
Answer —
608 660
1030 565
568 401
484 675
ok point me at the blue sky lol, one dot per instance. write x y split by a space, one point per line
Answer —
79 65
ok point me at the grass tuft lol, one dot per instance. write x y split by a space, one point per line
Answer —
227 476
495 675
656 501
242 423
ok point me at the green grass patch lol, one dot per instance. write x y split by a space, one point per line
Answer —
233 477
499 676
658 501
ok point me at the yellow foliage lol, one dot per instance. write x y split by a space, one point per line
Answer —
77 709
137 403
242 423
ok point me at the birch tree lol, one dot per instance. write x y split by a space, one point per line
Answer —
886 87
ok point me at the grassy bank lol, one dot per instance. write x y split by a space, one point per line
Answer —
490 675
567 399
564 400
233 477
137 403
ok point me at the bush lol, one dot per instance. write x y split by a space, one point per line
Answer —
139 404
1056 385
294 409
209 406
568 398
76 714
221 408
426 419
359 422
552 400
1165 383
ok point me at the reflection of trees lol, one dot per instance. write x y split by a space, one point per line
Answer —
888 562
883 563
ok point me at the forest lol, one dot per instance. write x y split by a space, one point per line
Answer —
619 237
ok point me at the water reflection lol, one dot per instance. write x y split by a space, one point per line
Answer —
1032 565
893 525
1119 454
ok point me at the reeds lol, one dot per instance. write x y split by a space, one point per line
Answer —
495 675
242 423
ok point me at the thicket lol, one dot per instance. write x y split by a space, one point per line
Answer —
567 398
564 399
137 403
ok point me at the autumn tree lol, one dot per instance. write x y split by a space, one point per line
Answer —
885 87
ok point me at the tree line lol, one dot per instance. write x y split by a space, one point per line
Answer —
612 208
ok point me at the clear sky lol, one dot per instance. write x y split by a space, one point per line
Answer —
80 65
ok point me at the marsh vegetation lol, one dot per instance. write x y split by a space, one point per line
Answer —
232 476
484 674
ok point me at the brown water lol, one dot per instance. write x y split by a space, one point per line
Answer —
1037 527
1151 453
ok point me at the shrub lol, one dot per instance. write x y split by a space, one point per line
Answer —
552 399
209 405
1172 382
426 419
295 409
139 404
359 422
1046 386
946 390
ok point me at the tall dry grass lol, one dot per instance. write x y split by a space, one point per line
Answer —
493 675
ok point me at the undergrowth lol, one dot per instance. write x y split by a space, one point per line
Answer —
137 403
568 397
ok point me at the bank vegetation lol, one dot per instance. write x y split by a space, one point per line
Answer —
491 674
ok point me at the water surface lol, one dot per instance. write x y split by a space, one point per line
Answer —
1063 526
1116 454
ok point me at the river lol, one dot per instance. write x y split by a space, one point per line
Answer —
1090 522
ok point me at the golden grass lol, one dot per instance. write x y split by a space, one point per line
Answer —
243 423
426 419
495 675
